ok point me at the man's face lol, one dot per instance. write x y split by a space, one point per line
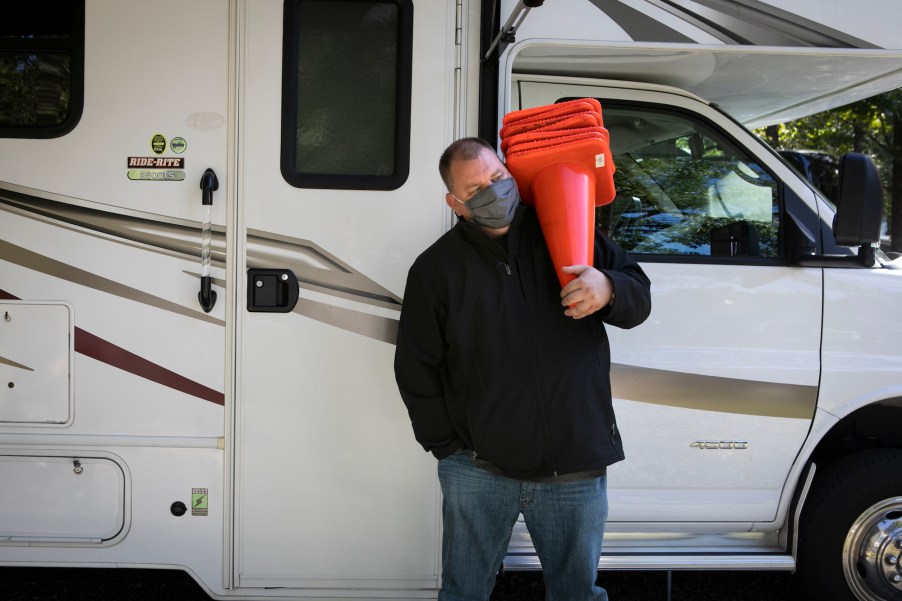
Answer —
470 177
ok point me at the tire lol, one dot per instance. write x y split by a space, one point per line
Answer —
850 536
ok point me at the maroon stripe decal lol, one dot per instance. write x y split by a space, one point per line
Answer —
97 348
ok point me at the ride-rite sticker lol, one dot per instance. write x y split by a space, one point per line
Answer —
159 168
156 162
199 501
156 169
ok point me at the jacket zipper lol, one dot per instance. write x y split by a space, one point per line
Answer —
539 388
505 262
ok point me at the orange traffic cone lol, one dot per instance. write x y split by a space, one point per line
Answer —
591 149
563 194
583 105
560 157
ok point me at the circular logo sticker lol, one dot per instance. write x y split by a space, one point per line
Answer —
158 144
178 145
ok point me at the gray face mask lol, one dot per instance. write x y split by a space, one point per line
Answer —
495 206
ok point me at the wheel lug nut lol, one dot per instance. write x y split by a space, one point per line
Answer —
892 560
898 542
895 578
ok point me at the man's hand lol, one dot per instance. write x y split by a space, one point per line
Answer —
589 292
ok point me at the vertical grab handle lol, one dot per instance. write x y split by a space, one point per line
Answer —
208 184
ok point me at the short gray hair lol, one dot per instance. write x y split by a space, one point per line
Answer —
465 149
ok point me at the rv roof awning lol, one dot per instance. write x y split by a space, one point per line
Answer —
757 85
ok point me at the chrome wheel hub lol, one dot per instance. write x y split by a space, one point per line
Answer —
872 553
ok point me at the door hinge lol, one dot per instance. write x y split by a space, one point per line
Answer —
458 34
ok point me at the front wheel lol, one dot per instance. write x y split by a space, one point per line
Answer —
850 537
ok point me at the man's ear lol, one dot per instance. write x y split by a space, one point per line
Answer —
451 202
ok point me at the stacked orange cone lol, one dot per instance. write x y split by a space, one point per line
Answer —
560 157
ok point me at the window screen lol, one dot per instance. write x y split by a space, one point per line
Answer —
41 67
346 93
684 189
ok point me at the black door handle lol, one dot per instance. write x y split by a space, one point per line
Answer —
271 290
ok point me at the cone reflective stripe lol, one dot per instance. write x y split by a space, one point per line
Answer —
563 193
560 157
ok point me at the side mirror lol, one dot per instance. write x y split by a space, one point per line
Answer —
860 201
857 220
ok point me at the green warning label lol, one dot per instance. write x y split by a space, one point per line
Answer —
199 501
178 145
158 143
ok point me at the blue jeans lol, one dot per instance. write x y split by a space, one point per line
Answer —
479 510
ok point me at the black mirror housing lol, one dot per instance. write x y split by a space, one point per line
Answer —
858 218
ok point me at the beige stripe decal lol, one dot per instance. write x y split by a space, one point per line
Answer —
310 263
371 326
315 268
712 393
5 361
32 260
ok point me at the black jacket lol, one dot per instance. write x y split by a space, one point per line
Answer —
486 359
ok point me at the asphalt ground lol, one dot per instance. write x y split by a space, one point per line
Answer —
108 584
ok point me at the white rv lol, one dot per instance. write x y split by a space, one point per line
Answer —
207 213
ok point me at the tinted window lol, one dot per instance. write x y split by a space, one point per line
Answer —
819 168
684 189
41 68
346 93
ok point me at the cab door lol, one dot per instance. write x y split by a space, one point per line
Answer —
345 107
715 392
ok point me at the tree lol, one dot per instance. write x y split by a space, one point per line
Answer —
889 140
872 126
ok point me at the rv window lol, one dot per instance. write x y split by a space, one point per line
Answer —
346 93
684 189
41 68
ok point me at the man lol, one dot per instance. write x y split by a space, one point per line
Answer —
506 378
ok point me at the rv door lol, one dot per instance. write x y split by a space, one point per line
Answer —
339 193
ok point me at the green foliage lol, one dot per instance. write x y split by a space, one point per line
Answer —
864 126
34 88
868 126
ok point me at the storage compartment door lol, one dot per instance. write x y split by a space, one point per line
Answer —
61 499
35 360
